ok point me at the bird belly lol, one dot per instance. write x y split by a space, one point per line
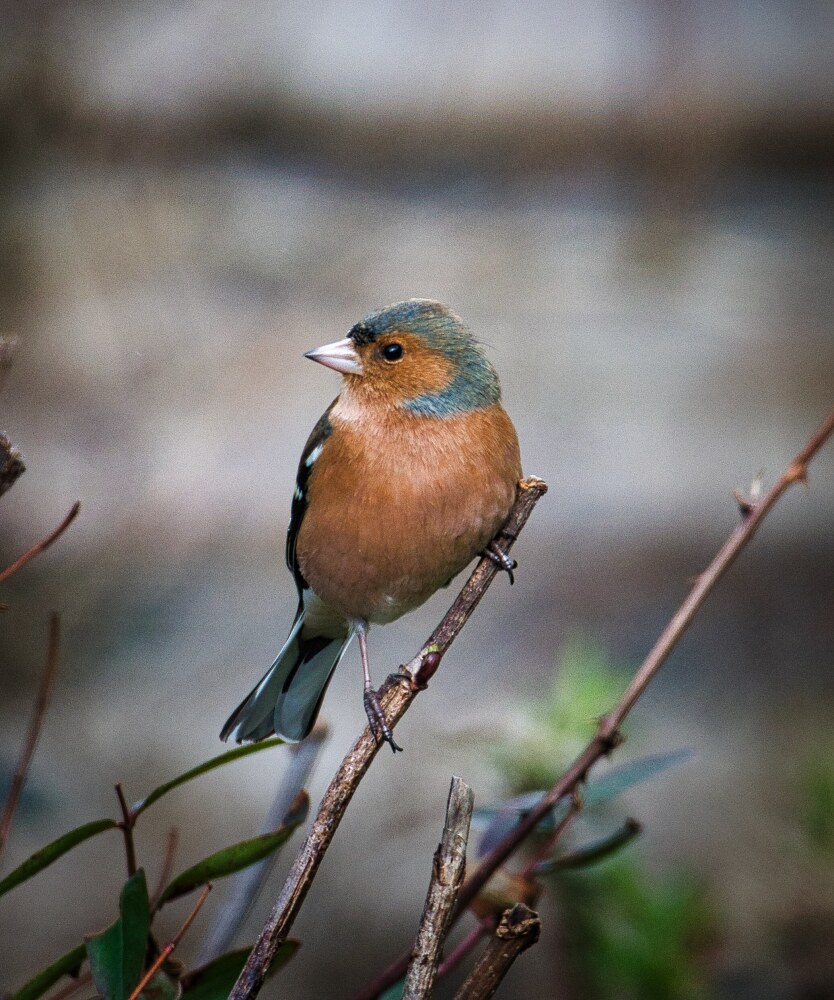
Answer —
392 518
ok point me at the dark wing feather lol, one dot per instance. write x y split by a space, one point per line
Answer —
321 432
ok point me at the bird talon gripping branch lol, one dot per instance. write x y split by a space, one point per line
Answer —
379 519
377 721
501 559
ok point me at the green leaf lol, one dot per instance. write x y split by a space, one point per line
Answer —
215 980
232 859
195 772
117 955
619 779
46 855
596 850
66 965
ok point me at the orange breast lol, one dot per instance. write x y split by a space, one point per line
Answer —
399 504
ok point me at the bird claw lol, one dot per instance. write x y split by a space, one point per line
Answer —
377 721
501 559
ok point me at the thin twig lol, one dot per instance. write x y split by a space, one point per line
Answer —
518 930
126 826
166 951
35 726
608 736
448 868
44 543
167 868
396 695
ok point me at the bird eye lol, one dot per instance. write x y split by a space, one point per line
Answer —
392 352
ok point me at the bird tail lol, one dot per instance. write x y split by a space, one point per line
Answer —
288 697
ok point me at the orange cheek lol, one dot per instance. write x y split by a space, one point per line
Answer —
420 371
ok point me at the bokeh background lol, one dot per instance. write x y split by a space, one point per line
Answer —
631 204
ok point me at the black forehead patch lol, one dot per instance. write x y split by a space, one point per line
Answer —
362 334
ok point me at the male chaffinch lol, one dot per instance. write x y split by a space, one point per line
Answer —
409 474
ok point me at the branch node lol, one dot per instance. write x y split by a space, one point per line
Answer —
533 483
518 930
426 670
518 922
609 736
797 473
745 505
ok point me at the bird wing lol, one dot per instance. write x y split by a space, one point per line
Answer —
315 443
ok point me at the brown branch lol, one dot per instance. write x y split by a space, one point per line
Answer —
166 951
447 874
44 543
518 930
608 736
396 695
35 726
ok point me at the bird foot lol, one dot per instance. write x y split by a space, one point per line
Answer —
501 559
377 721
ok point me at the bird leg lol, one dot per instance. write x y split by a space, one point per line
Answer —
501 559
373 708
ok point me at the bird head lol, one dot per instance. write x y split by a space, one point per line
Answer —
415 355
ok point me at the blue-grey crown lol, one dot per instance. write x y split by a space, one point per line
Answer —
475 385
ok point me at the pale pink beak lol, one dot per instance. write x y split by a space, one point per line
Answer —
340 356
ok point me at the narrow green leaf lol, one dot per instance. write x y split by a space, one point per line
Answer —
117 955
46 855
66 965
228 861
619 779
215 980
596 850
209 765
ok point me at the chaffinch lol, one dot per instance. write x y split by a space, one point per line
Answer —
409 474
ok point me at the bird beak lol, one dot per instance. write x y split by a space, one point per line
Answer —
340 356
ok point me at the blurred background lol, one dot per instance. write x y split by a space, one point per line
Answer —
631 204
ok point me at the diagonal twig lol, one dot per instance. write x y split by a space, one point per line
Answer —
35 726
518 930
396 696
167 869
608 735
175 940
44 543
448 868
